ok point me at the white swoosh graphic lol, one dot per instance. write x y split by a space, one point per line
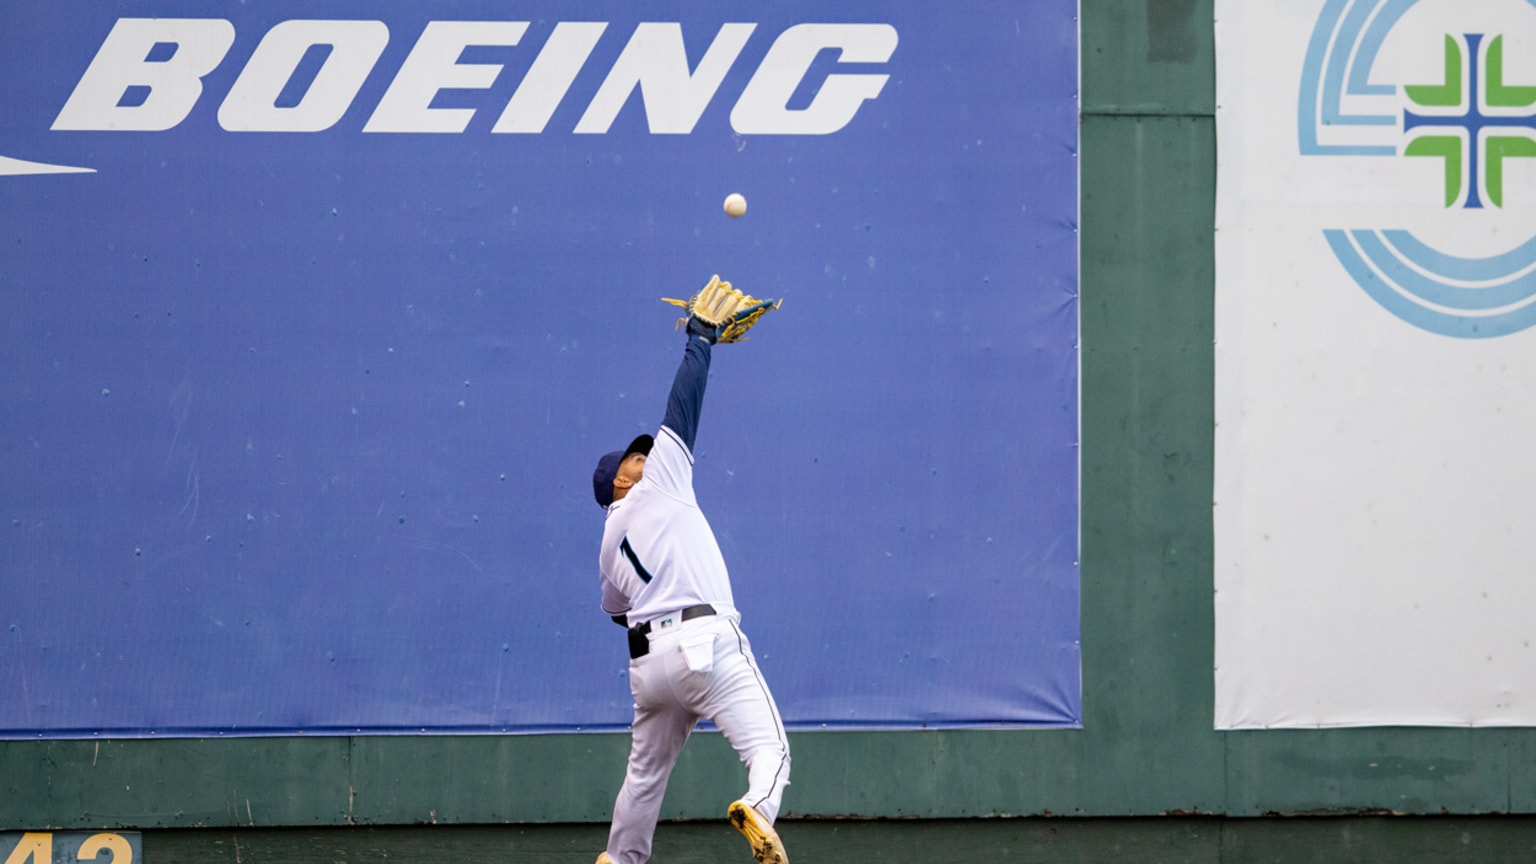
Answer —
13 167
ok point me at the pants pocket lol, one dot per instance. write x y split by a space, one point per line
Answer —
699 652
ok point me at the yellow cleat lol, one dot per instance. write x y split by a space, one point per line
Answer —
766 847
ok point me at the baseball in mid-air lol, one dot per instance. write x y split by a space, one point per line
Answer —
735 205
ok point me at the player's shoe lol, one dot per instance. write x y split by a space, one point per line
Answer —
766 847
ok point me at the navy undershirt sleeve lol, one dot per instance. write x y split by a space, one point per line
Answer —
687 397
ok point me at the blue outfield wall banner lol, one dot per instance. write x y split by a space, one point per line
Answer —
315 317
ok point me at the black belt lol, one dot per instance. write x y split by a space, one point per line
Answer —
640 644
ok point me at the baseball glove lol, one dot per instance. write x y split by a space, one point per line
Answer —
721 313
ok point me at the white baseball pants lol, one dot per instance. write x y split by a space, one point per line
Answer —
699 668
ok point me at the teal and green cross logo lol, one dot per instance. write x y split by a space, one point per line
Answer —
1502 134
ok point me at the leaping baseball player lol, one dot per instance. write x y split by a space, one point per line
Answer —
664 579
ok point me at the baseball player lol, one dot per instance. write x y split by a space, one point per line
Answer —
664 579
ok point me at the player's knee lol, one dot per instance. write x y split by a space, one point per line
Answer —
643 784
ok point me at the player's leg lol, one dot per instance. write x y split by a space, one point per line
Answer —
661 728
742 706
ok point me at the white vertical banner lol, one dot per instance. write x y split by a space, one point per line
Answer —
1375 473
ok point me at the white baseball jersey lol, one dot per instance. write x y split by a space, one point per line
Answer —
659 554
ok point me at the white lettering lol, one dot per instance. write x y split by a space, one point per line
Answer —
148 76
251 105
173 84
433 65
550 76
654 60
762 108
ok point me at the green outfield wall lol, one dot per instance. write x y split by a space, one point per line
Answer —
1147 746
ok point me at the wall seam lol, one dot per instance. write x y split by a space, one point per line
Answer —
351 777
1206 115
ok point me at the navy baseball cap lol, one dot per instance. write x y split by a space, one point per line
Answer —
608 468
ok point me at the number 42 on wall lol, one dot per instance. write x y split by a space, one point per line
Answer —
37 847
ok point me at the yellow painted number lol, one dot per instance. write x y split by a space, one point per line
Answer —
34 848
122 853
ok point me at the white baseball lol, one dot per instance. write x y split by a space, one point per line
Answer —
735 205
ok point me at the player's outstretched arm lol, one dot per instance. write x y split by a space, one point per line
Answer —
686 400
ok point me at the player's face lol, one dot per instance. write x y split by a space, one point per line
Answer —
632 467
630 470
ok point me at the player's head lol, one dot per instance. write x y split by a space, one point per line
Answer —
619 466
